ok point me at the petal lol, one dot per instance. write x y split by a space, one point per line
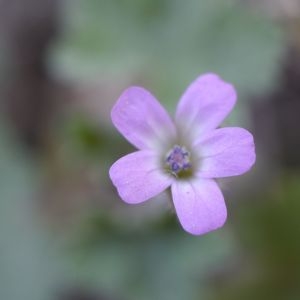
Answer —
199 205
225 152
204 105
137 176
141 119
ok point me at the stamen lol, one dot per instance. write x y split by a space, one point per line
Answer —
178 160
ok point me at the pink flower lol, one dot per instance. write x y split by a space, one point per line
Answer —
185 154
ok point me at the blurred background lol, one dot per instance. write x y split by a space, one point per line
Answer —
64 233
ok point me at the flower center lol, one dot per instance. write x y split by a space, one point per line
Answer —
178 161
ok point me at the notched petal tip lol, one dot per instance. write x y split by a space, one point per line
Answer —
225 152
138 178
126 96
199 205
205 104
196 231
114 177
200 230
212 80
141 119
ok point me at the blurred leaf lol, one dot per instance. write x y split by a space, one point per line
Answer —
160 262
269 231
84 140
171 42
26 269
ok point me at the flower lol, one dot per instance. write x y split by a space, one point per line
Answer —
185 154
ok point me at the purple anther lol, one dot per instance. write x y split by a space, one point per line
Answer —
178 159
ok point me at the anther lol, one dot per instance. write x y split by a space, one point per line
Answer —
178 159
